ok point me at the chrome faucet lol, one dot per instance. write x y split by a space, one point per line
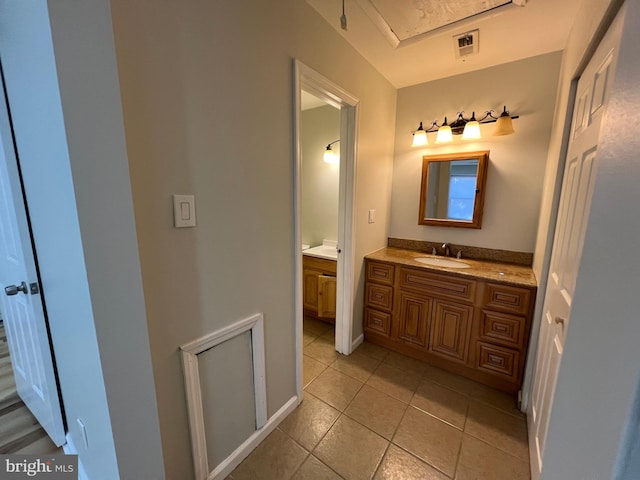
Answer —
446 249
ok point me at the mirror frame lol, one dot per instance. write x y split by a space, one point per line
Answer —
481 181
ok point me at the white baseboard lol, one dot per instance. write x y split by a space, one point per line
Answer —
239 454
70 449
357 342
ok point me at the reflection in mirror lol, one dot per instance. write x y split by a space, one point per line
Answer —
452 192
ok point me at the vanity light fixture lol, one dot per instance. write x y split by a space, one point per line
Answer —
444 133
469 128
504 124
329 155
420 137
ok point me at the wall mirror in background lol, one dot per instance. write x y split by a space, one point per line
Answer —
452 192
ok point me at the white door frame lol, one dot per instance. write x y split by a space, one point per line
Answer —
311 81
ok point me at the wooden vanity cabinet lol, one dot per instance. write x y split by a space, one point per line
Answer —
319 288
472 327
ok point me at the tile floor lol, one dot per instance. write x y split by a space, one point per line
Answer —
379 415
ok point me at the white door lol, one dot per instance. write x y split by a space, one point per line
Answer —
22 307
575 203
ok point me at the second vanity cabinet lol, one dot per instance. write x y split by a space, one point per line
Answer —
475 327
319 288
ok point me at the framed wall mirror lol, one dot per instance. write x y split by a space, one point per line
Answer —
453 187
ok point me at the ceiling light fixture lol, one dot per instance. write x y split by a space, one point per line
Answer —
329 155
343 19
469 128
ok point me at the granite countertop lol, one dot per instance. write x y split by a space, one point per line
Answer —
481 269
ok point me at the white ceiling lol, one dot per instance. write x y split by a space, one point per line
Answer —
404 41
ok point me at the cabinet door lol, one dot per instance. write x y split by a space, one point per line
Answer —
450 330
413 324
310 291
326 296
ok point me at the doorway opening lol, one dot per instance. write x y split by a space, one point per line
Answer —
315 86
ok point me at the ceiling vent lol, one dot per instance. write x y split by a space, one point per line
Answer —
466 44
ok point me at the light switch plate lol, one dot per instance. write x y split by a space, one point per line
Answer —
372 216
184 211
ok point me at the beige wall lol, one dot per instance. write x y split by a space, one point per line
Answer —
319 127
195 76
517 162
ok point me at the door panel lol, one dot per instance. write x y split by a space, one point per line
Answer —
23 311
571 225
450 330
413 326
326 296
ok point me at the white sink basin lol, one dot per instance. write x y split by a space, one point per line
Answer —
442 262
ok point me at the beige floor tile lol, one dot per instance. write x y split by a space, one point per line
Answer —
441 402
392 381
308 423
317 327
450 380
311 368
372 350
314 469
400 465
377 411
405 363
351 450
329 336
334 388
307 338
276 458
497 399
500 429
321 350
428 438
480 461
356 365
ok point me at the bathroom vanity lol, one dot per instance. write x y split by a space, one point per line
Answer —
319 287
473 321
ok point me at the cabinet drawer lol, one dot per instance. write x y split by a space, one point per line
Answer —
380 272
376 321
325 265
440 285
379 296
502 328
498 361
507 298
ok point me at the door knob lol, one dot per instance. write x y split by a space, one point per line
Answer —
14 289
560 321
